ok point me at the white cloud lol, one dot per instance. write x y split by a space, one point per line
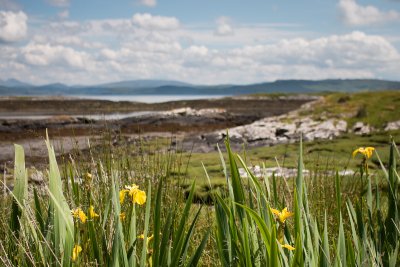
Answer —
351 50
59 3
63 14
358 15
46 55
13 26
150 22
224 27
150 3
156 47
354 55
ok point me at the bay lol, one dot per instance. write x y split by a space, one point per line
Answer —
148 98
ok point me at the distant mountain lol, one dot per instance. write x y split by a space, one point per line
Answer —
308 86
142 84
13 83
162 87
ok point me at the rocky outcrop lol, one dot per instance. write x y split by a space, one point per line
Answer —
193 112
361 129
280 129
394 125
260 172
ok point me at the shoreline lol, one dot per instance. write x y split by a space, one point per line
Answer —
180 118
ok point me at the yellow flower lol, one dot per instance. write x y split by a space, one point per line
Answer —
149 238
75 252
367 151
78 213
131 187
122 216
88 176
289 247
122 194
282 215
92 214
137 196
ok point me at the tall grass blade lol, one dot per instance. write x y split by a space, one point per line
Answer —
146 227
273 252
194 260
179 235
157 224
61 213
325 260
235 177
300 178
20 189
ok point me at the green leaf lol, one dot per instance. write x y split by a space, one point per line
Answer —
194 260
262 227
20 189
62 219
157 224
298 259
325 254
299 178
341 244
146 227
273 252
338 193
237 186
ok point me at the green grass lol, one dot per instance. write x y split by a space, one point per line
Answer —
374 108
234 228
200 212
331 154
366 231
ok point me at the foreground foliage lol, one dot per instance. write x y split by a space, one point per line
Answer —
248 233
85 221
109 216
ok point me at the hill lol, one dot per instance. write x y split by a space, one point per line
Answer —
165 87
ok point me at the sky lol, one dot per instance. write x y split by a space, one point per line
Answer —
89 42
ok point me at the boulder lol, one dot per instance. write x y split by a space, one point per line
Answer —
361 128
279 129
394 125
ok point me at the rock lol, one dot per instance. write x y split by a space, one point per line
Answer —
394 125
37 177
275 130
361 128
346 173
281 132
259 172
193 112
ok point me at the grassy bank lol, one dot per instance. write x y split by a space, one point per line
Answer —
373 108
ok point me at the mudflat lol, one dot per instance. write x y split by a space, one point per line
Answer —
24 120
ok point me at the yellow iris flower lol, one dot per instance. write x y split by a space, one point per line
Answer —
366 151
88 176
149 238
282 215
122 194
138 196
75 252
78 213
92 213
289 247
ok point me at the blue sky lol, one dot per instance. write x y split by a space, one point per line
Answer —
203 42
